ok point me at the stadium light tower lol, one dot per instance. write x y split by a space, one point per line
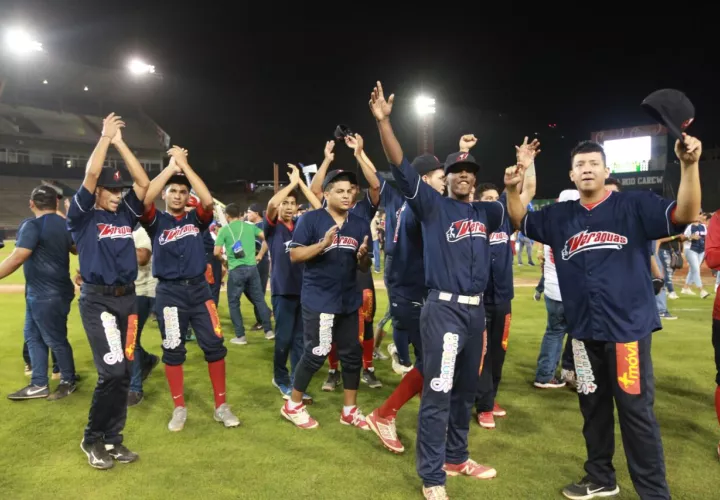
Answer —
140 67
21 42
425 108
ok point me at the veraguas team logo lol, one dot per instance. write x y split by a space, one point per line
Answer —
465 228
499 237
177 233
113 232
592 240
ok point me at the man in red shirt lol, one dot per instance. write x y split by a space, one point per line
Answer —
712 257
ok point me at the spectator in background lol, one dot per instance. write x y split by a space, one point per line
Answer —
525 243
238 239
669 250
695 254
254 216
302 209
374 232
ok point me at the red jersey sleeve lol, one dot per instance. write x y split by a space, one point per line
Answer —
712 242
204 216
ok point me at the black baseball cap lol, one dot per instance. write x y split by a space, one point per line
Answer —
255 207
671 108
335 175
455 160
111 177
44 195
426 163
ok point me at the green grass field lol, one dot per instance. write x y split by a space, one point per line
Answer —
537 449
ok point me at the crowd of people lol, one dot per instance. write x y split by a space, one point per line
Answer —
448 271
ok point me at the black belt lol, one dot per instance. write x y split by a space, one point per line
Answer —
113 291
471 300
192 281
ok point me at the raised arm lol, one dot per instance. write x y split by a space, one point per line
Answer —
381 110
159 182
319 177
277 199
515 206
197 184
525 155
137 172
111 126
689 195
368 169
311 198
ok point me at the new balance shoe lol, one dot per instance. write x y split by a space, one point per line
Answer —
498 411
177 422
30 392
385 430
63 389
586 489
120 453
470 468
98 456
368 376
299 416
550 384
226 416
332 381
486 420
435 493
355 418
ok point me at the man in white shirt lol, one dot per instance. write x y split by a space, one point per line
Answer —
144 362
552 342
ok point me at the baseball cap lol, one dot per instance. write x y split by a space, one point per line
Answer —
426 163
44 195
255 207
111 177
334 175
671 108
455 160
569 195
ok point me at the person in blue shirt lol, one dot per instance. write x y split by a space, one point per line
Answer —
601 253
333 244
254 215
286 281
183 294
43 249
452 323
101 219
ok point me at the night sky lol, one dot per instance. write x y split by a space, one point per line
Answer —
240 98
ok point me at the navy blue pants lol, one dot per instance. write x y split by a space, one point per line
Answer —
622 374
406 329
264 271
497 324
216 266
288 336
145 305
46 327
452 345
179 305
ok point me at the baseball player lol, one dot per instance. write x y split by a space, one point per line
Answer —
500 291
407 292
452 321
333 244
601 253
286 281
101 220
183 295
712 256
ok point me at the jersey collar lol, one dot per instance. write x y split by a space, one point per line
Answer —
590 206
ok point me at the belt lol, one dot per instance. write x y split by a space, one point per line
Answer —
471 300
185 282
113 291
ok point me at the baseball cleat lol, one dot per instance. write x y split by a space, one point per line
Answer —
355 418
385 430
435 493
298 416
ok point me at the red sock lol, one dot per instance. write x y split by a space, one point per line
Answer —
410 385
174 376
717 402
217 377
368 347
333 358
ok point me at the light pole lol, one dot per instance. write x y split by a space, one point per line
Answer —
425 108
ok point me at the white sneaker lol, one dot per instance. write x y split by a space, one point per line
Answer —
568 376
673 296
436 492
687 291
703 294
299 416
225 415
397 367
177 422
269 335
239 340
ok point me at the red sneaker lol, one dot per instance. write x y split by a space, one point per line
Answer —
385 430
354 418
470 468
499 411
486 420
299 416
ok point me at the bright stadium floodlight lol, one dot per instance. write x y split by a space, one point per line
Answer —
21 42
139 67
424 105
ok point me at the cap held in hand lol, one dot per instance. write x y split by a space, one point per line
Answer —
670 108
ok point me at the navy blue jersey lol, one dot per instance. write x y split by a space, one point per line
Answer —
391 201
699 244
406 279
363 208
208 245
285 277
258 243
500 282
329 281
604 266
178 246
455 234
105 245
47 271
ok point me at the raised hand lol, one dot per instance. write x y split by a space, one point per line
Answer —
381 108
688 150
294 174
330 236
111 127
467 142
526 153
355 143
514 175
173 166
329 146
179 155
363 250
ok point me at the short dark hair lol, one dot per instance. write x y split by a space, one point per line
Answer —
485 186
294 194
587 147
612 181
232 210
344 176
180 180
